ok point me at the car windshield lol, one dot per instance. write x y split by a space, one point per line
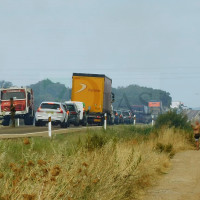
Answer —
71 107
14 95
50 106
125 113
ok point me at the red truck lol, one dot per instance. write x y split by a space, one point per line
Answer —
23 102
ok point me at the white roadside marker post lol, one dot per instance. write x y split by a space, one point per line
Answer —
134 121
152 120
105 121
49 126
18 122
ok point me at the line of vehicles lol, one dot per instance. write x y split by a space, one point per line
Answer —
91 98
62 114
123 117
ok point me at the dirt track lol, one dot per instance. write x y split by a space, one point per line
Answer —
183 180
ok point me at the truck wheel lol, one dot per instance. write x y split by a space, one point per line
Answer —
6 121
28 119
37 123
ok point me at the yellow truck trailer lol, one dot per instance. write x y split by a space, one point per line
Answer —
95 91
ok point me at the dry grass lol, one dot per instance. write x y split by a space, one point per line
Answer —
118 171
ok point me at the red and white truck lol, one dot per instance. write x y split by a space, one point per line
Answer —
23 102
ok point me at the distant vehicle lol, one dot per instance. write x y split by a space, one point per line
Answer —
74 113
121 117
142 113
128 119
56 110
23 102
118 117
95 91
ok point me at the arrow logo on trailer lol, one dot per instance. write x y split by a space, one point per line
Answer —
83 87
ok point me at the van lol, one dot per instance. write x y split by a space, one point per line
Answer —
82 112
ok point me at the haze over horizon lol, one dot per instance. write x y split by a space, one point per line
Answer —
147 43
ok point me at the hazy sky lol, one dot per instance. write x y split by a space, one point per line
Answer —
152 43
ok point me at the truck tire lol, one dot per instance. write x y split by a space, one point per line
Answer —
37 123
6 121
28 119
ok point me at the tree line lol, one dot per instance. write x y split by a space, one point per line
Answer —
46 90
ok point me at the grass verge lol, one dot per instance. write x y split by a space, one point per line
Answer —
117 164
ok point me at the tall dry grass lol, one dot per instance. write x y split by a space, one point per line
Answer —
118 170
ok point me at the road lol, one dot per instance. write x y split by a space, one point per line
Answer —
183 180
27 131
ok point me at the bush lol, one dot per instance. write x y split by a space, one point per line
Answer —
143 130
95 141
172 119
168 148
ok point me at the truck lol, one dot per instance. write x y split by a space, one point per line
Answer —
23 102
142 113
94 90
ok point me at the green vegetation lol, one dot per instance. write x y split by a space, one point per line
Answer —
5 84
138 95
173 119
115 164
47 90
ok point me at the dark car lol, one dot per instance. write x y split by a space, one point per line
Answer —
128 119
121 117
74 113
118 117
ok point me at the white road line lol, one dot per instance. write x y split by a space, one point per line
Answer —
43 132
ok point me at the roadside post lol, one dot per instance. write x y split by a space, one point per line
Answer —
49 125
152 120
105 121
34 121
18 122
134 121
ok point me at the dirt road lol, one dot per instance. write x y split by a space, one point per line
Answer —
182 181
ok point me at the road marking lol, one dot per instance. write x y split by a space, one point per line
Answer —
46 132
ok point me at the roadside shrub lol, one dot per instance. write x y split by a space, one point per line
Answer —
160 147
173 119
165 148
95 141
144 130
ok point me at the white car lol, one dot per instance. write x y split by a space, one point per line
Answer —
58 113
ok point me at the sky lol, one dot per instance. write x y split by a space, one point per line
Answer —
151 43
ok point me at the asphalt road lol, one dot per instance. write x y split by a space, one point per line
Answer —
23 129
31 131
